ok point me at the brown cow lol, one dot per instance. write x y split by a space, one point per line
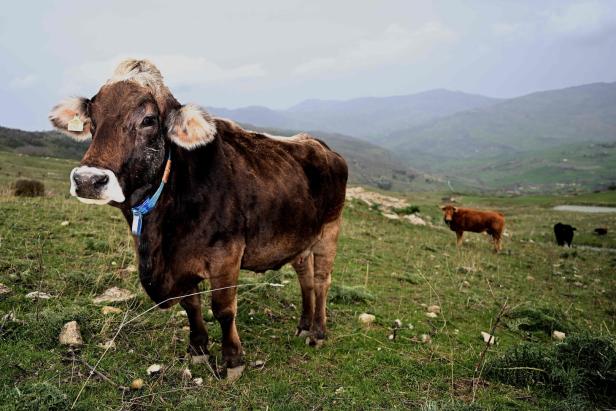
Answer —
467 219
206 198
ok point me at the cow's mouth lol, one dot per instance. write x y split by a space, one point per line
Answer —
448 222
93 185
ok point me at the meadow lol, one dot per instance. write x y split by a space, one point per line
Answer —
388 268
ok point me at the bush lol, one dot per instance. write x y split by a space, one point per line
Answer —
29 188
582 368
411 209
541 319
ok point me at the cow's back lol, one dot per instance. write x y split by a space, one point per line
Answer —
286 188
469 219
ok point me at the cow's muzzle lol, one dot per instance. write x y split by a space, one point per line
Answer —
93 185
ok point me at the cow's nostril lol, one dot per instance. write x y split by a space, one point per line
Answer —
100 180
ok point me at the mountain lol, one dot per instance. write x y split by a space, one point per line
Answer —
369 118
535 121
368 164
523 131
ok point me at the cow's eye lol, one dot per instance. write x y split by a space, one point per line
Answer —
148 121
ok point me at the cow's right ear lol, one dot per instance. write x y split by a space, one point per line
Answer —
190 127
70 117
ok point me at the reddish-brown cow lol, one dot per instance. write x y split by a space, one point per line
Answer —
478 221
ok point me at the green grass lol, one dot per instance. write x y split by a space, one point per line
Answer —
388 268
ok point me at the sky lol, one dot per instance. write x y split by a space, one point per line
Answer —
278 53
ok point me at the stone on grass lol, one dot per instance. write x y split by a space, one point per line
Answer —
137 384
4 289
38 295
113 295
198 381
153 369
71 335
487 338
397 323
64 223
366 319
434 309
186 374
106 310
431 315
558 335
466 284
426 339
415 220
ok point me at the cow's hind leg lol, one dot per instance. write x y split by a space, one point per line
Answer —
198 332
304 267
324 254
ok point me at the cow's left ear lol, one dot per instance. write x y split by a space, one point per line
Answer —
455 209
70 117
190 127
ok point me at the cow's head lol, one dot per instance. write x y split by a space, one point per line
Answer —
133 120
448 212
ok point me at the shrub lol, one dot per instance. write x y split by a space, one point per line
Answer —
582 368
348 295
411 209
29 188
542 319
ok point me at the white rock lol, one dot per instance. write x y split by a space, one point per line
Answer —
64 223
390 337
186 374
198 381
426 339
259 363
70 334
434 309
366 319
431 315
397 323
4 289
487 338
114 294
558 335
391 216
415 220
38 295
153 369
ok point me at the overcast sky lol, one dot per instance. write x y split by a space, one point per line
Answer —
277 53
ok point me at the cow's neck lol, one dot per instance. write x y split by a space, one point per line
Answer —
191 173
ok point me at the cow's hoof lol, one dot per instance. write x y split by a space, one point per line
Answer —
302 333
199 359
233 374
315 342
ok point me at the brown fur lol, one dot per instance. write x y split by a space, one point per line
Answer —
460 220
243 200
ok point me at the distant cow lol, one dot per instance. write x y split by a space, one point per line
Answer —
564 234
467 219
206 198
601 230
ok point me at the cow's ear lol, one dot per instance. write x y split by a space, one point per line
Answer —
190 127
443 207
455 209
70 117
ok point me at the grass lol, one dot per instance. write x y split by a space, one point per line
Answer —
388 268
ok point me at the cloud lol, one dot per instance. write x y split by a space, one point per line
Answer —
584 20
22 82
395 43
178 71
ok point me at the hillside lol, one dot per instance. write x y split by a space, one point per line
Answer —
368 164
369 118
532 122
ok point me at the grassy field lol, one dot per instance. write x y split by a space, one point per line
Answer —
384 267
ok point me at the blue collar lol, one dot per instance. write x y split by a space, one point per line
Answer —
149 203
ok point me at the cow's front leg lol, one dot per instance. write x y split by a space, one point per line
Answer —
224 307
459 235
198 332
